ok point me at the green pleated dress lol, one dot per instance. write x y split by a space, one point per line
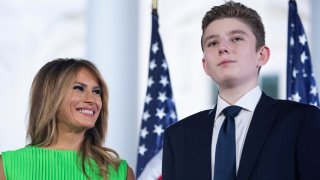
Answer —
34 163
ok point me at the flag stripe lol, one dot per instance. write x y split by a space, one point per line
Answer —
152 170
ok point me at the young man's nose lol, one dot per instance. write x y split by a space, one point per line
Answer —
223 51
223 47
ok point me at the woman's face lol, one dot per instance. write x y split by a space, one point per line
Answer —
81 107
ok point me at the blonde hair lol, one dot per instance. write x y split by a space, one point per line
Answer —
49 87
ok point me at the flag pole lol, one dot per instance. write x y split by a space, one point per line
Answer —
155 6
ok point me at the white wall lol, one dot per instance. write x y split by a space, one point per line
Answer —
32 32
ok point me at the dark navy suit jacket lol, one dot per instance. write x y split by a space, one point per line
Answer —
282 143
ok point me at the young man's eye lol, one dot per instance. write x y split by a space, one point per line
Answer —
235 39
78 87
212 43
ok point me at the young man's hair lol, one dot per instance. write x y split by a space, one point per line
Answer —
51 85
236 10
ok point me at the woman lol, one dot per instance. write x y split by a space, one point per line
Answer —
67 126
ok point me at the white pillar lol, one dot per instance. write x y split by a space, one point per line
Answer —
315 29
112 46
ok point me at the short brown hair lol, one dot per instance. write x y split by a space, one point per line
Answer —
236 10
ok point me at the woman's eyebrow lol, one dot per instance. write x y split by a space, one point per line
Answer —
85 85
82 84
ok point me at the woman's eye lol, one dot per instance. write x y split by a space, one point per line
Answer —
78 87
97 91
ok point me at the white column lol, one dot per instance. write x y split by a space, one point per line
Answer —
315 41
112 46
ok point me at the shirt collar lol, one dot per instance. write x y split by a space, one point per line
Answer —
248 102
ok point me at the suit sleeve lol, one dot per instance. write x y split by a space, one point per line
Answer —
167 159
308 150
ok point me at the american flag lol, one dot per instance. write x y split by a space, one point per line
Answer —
301 84
159 110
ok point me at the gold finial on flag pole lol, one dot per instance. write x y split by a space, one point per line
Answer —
155 6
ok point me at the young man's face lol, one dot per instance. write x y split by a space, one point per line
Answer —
230 57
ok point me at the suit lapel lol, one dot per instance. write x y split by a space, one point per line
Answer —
198 141
259 129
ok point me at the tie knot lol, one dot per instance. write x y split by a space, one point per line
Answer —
232 111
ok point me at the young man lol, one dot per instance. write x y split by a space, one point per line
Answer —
270 139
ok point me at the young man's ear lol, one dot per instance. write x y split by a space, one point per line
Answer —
264 55
204 65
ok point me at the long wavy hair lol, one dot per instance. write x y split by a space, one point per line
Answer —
49 87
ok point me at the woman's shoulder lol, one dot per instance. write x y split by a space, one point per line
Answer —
22 151
122 168
124 171
34 153
16 151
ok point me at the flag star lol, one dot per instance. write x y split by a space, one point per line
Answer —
158 130
142 149
150 81
152 64
162 96
145 115
155 47
173 115
314 103
303 57
295 72
296 97
160 113
148 98
303 39
292 25
313 90
164 81
164 65
304 74
144 132
291 41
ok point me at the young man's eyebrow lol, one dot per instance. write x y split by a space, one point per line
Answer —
210 37
237 31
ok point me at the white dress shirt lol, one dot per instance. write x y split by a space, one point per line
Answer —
248 102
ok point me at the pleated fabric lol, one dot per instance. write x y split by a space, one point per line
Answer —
33 163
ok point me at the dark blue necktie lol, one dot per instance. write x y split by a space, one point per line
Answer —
225 159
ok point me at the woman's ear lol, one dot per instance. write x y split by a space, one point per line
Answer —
263 56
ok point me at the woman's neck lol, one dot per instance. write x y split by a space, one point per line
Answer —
67 141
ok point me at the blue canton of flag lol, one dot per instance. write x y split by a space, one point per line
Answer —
301 84
159 110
